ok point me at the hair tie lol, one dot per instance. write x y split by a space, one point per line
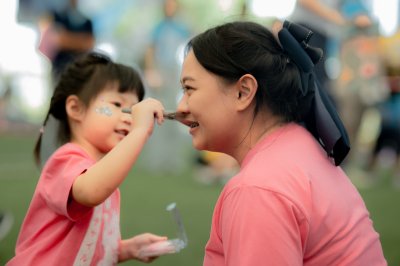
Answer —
319 115
303 35
294 40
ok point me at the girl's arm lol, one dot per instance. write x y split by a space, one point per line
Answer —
103 178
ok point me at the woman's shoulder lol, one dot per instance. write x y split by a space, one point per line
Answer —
283 164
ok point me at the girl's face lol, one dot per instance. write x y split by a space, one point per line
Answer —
210 102
104 124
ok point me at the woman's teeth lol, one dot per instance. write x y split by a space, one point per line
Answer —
193 124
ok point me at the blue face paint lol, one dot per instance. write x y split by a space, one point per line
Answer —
104 110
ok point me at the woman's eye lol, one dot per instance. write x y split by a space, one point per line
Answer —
187 89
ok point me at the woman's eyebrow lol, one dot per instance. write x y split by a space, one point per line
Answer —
184 79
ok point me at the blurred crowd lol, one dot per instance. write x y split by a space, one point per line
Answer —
360 71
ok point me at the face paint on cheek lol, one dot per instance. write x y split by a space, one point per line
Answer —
104 110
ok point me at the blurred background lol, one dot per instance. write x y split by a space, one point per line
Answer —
362 66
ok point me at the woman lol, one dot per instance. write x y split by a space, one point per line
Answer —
256 99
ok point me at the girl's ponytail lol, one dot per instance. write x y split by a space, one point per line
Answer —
38 145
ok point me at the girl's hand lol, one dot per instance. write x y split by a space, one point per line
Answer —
144 113
129 248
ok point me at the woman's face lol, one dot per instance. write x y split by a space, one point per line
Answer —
210 102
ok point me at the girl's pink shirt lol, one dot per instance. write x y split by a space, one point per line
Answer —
289 205
57 231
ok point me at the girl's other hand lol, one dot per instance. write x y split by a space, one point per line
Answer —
129 248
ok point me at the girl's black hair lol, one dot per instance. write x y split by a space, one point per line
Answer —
86 77
234 49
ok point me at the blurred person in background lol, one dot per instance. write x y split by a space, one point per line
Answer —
5 92
258 100
74 215
386 151
325 19
361 83
344 29
161 68
6 223
215 167
66 34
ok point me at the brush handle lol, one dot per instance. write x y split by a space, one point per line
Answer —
167 115
177 116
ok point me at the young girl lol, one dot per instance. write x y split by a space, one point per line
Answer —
73 218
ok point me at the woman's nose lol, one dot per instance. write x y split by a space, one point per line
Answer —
182 105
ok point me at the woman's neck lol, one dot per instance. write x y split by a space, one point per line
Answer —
259 128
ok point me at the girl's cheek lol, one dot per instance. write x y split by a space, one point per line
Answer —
104 110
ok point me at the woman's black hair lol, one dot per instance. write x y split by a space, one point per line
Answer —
86 77
234 49
287 85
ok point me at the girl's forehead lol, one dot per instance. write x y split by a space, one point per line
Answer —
112 86
115 93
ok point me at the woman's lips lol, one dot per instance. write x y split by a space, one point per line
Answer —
191 124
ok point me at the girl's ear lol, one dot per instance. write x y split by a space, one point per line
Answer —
74 107
245 91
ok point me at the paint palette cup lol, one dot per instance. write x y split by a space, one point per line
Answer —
168 246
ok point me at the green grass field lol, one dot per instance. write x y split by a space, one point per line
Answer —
145 196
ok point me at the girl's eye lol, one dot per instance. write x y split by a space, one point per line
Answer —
117 104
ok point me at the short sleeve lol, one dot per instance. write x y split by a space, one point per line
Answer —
261 227
57 180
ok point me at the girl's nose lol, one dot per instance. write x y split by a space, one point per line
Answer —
126 118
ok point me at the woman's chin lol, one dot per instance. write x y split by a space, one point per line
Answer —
198 146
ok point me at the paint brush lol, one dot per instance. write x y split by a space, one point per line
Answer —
180 117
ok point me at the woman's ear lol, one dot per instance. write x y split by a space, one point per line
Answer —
246 90
74 107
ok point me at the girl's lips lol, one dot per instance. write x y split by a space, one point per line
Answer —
122 132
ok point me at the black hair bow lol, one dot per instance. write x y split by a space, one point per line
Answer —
320 116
